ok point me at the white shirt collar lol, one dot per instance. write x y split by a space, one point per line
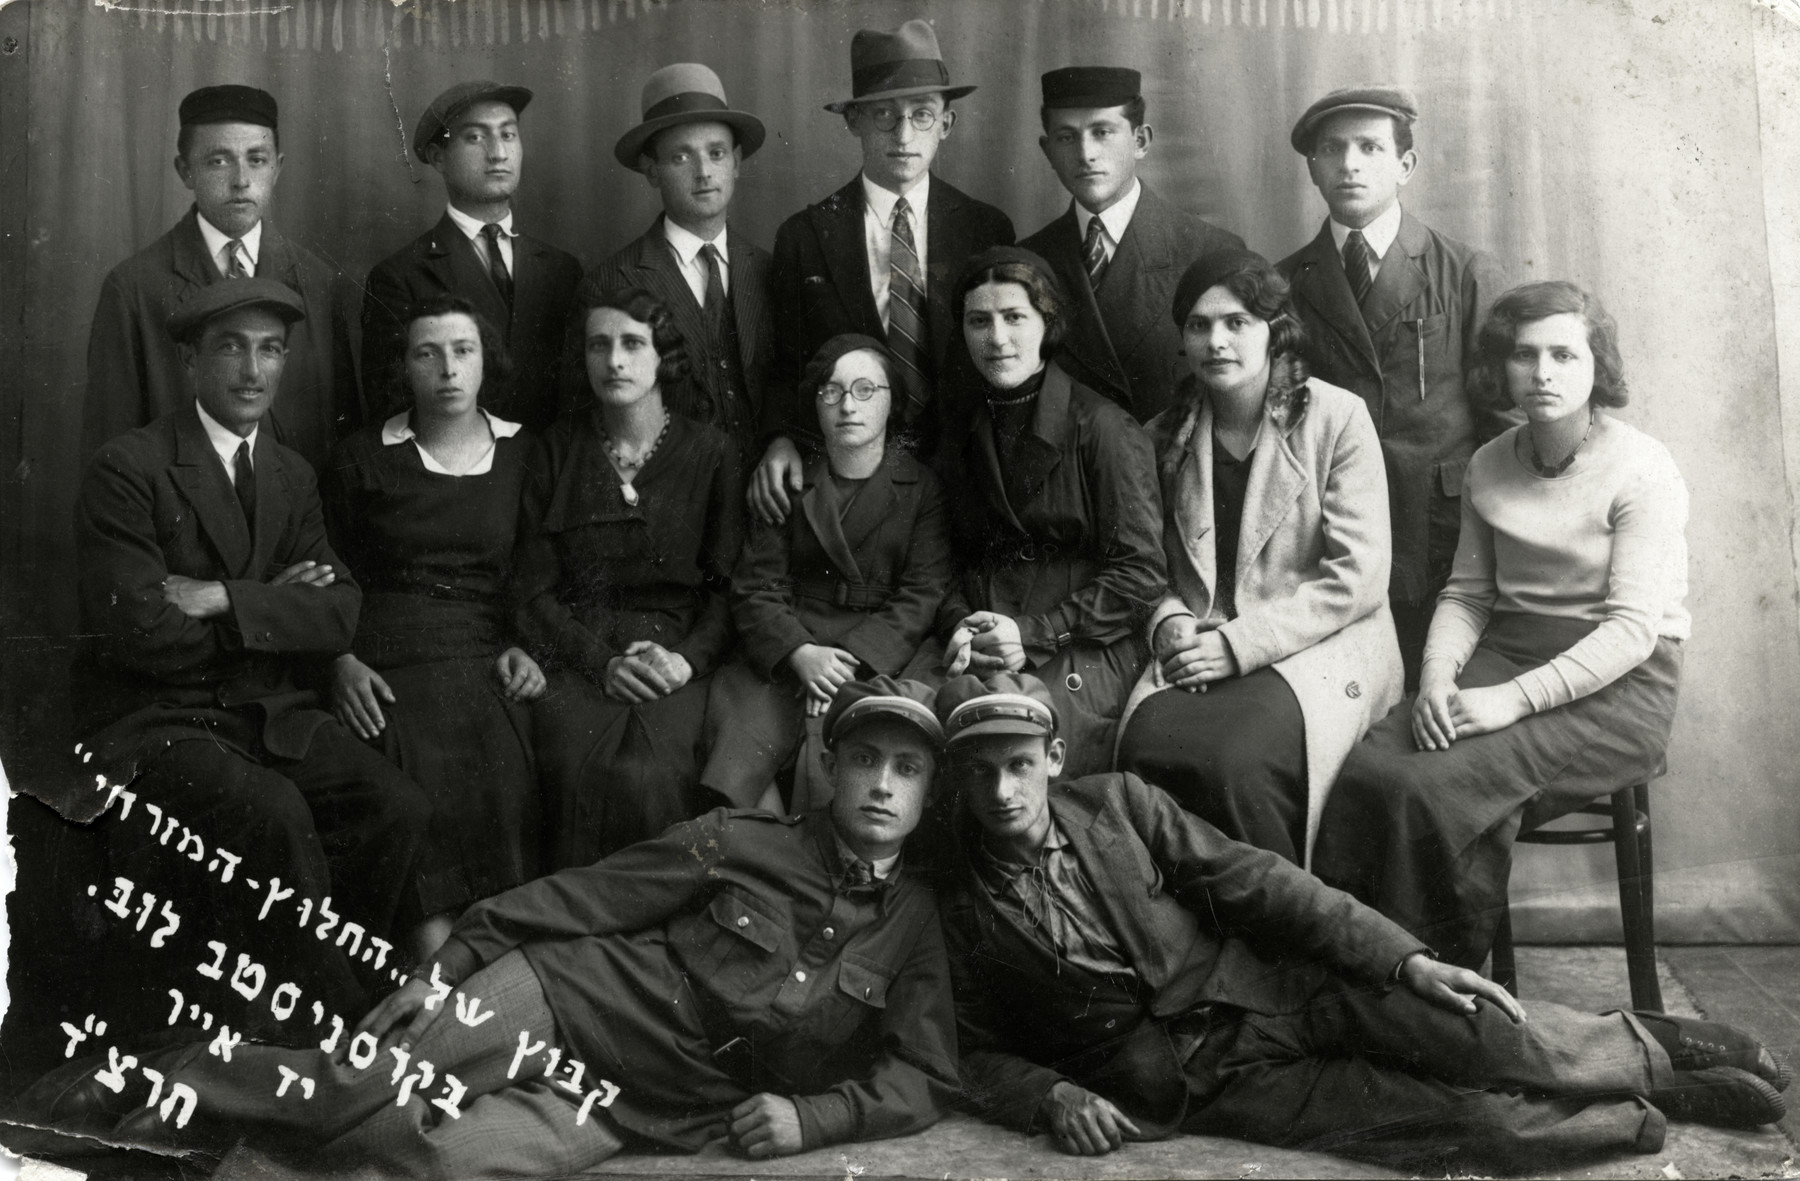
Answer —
687 244
398 429
225 441
1117 216
883 867
882 201
471 228
1379 234
216 238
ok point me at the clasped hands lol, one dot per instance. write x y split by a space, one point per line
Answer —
645 672
1189 656
985 642
1442 713
822 671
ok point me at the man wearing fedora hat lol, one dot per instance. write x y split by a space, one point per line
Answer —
228 153
1120 248
689 145
521 284
878 256
1392 308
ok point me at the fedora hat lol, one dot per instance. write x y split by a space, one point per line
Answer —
902 64
686 92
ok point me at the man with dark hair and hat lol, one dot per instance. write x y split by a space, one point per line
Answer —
520 284
206 583
1392 309
228 153
877 257
777 982
1124 971
689 146
1120 248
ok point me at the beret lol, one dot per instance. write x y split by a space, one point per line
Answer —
435 122
857 702
1091 86
1385 100
1005 703
1206 272
229 104
228 295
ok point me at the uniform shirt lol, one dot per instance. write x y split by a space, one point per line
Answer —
1379 234
687 246
216 240
472 228
1113 222
225 442
878 235
736 925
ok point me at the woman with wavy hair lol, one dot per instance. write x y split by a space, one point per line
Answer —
1275 649
1552 664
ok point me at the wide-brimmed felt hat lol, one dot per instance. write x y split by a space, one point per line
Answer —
229 104
686 92
902 64
1005 703
857 702
1380 99
228 295
434 124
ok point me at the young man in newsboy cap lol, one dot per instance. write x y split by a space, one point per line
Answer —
878 256
1120 248
228 153
1123 971
777 982
521 284
689 146
1391 309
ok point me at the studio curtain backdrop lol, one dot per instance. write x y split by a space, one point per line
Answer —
1605 141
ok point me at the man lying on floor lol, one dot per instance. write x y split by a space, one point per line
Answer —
1123 971
779 982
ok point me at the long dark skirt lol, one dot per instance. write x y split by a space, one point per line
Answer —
754 729
614 774
1426 837
457 736
1234 756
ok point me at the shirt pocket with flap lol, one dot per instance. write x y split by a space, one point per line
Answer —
748 936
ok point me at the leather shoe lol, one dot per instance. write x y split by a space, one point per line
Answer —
1694 1044
1723 1096
71 1098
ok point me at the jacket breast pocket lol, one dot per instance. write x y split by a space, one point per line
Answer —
860 998
746 938
1437 358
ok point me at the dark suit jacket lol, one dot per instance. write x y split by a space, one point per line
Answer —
1202 919
649 262
444 262
134 373
157 502
1124 343
820 288
1406 355
868 579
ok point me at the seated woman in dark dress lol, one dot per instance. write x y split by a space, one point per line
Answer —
631 523
845 589
1058 520
1275 650
1551 668
423 507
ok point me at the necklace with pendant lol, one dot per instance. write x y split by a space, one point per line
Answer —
1552 470
628 469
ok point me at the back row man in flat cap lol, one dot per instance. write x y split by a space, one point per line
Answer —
1391 309
228 153
878 256
1120 249
521 284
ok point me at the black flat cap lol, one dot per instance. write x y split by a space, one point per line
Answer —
1091 86
1381 99
228 295
229 104
434 124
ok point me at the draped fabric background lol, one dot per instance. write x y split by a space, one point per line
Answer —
1613 142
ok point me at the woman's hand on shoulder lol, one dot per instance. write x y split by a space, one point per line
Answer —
357 692
520 677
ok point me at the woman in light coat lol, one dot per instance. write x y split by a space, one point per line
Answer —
1275 649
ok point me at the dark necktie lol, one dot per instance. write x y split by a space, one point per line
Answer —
234 260
243 479
1093 252
721 317
714 307
860 875
496 261
906 309
1356 265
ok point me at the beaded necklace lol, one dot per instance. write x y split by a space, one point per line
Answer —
1551 471
628 469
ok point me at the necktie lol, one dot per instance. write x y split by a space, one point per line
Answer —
503 280
721 317
906 309
860 875
234 260
715 286
1093 252
1356 265
243 479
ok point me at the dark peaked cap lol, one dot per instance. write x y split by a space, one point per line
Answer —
229 104
1082 87
1382 100
228 295
857 702
435 122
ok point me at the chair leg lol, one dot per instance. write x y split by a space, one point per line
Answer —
1504 971
1632 853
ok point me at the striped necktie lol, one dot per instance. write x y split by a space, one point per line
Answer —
234 259
1356 265
906 309
1093 252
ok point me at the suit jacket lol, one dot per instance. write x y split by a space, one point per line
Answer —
1123 341
819 286
134 372
156 502
1406 355
867 579
444 262
1201 919
649 262
1312 564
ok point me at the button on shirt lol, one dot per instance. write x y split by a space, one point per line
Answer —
225 441
687 247
878 234
218 240
1056 899
1113 221
398 429
1379 234
471 229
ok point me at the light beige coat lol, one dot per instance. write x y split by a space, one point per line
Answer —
1314 550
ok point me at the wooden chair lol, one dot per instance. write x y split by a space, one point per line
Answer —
1629 832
